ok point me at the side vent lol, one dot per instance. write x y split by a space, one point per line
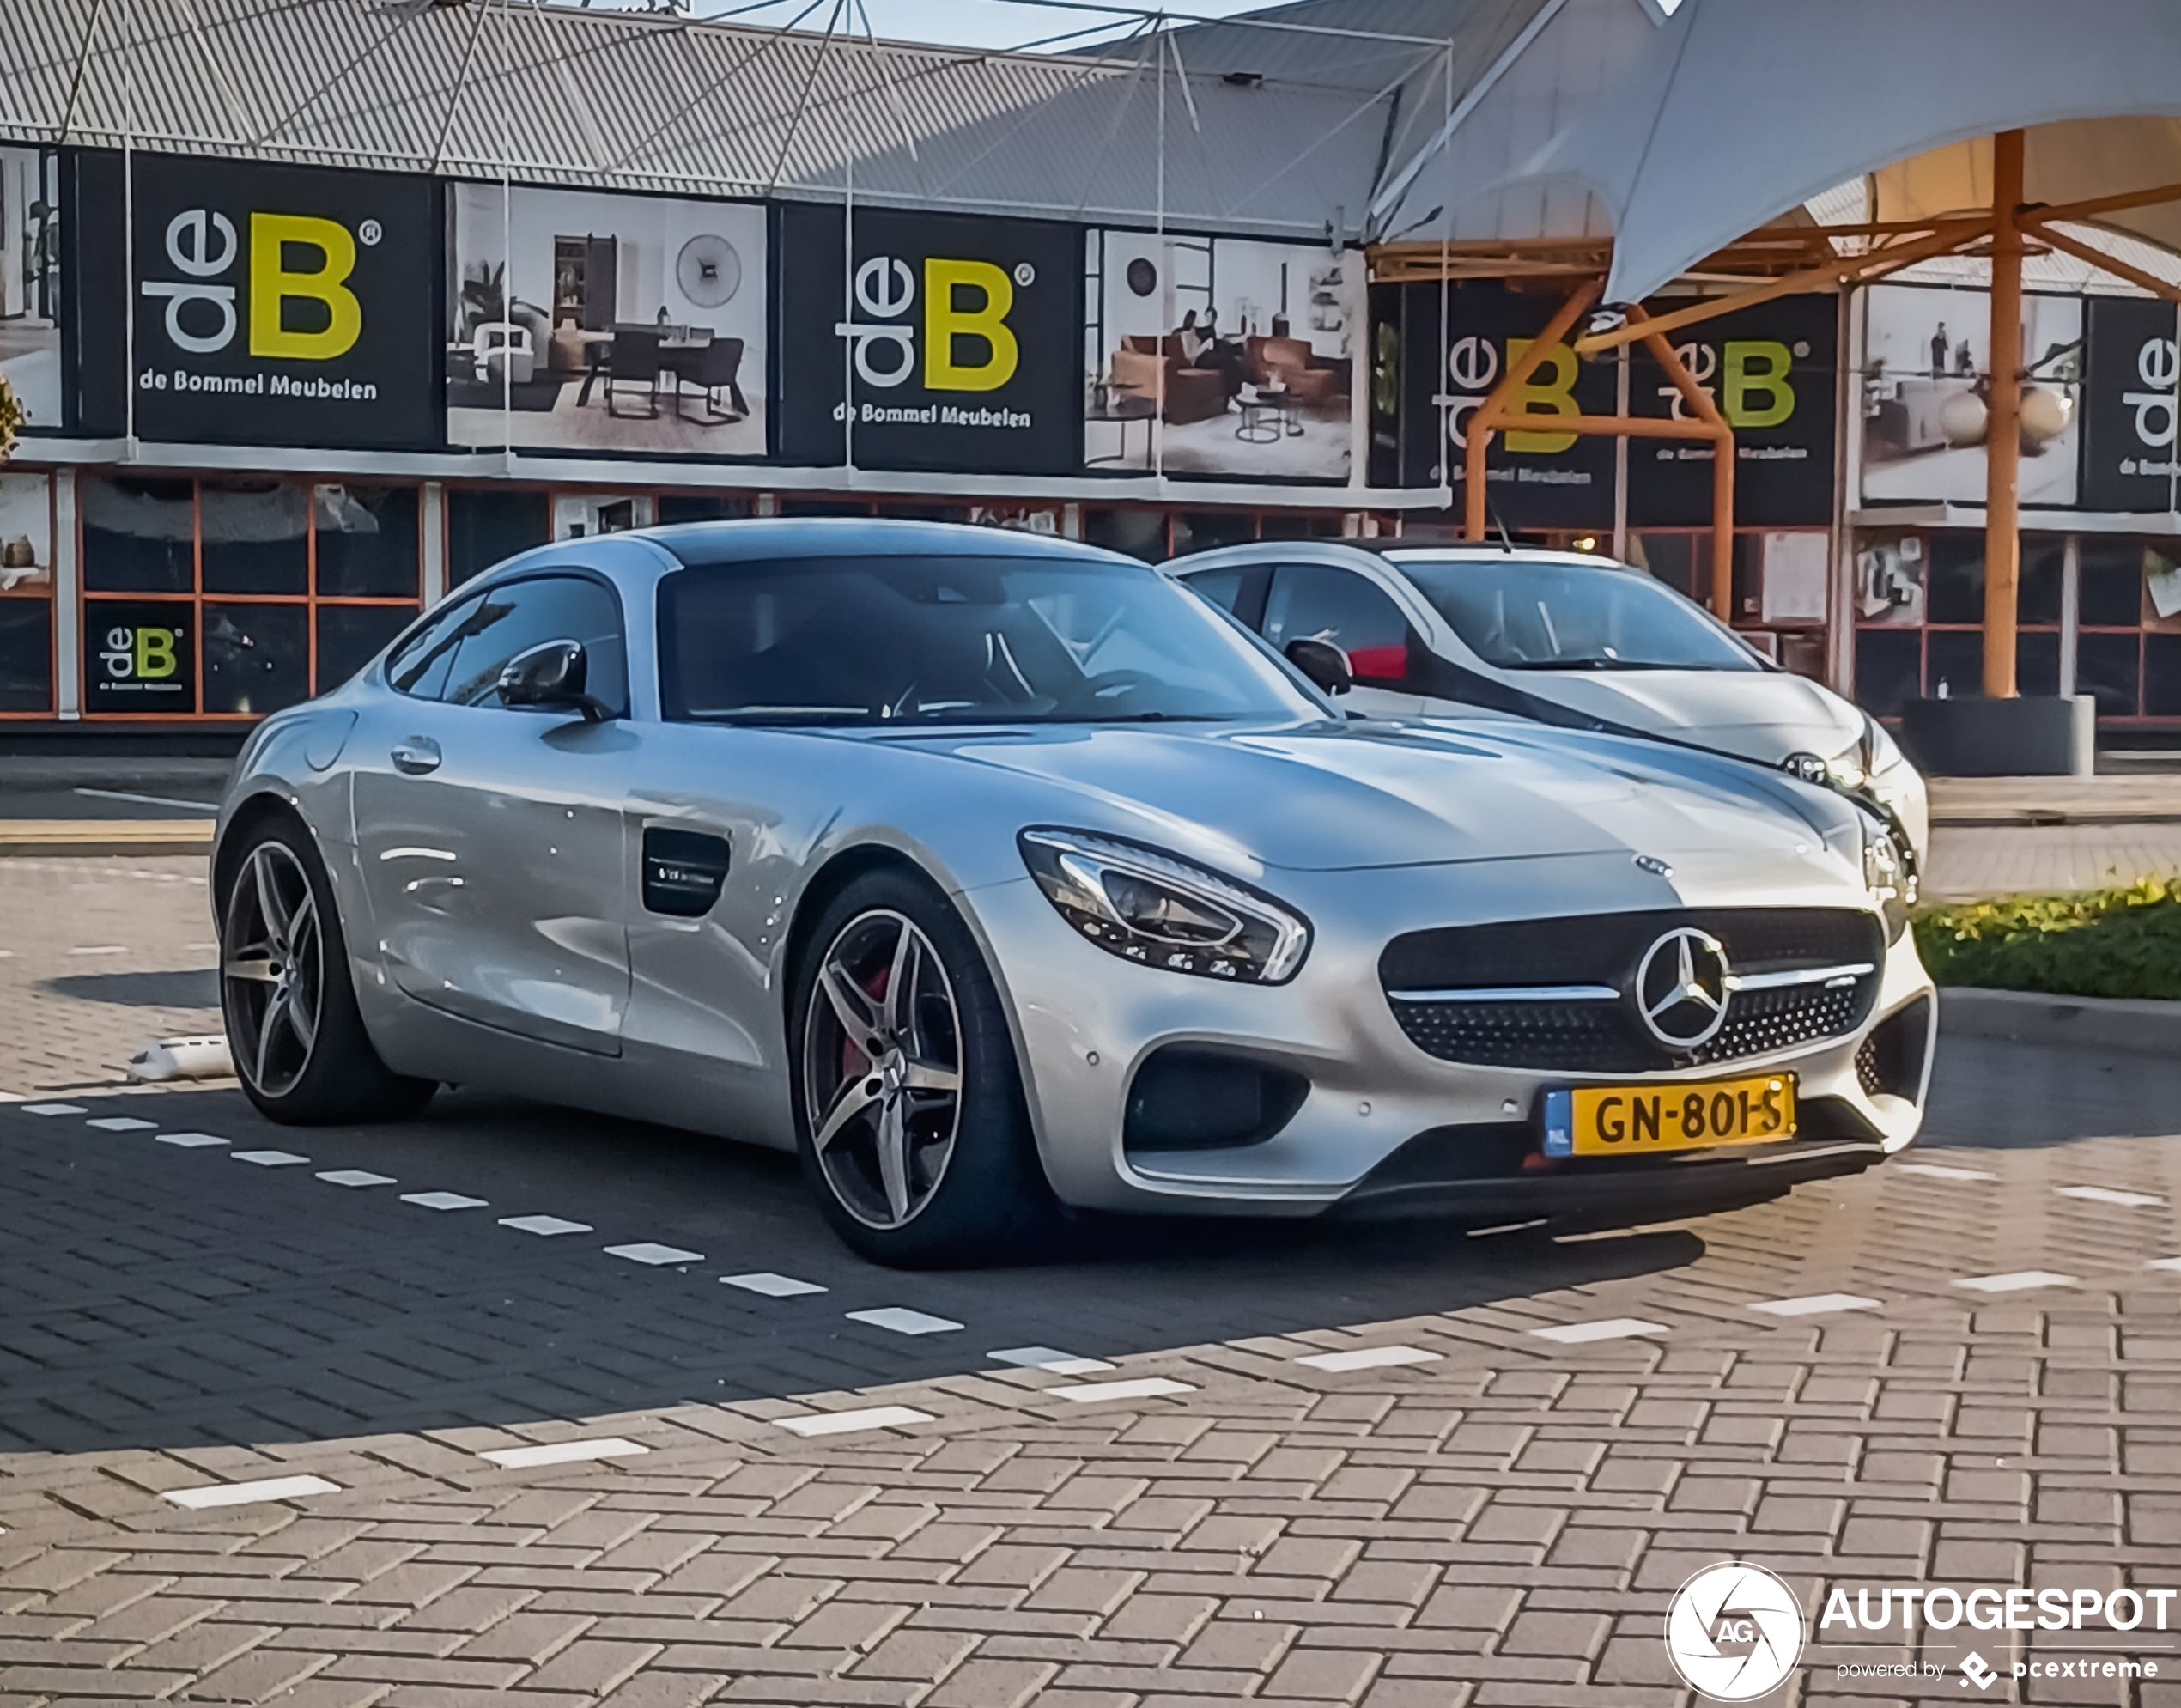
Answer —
683 871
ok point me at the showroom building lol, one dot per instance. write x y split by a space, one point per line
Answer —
298 351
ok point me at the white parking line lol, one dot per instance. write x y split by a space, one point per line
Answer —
356 1177
121 1123
563 1453
269 1159
548 1225
2020 1281
773 1286
901 1320
847 1423
1611 1329
1938 1171
1816 1305
1136 1388
650 1251
1045 1358
52 1109
1368 1358
2172 1265
245 1494
442 1200
190 1141
2103 1195
101 949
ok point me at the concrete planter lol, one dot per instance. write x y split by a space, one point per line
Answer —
2084 1022
2045 737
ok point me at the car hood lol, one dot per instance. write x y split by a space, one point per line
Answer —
1332 797
1759 715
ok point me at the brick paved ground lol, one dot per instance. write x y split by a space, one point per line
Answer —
1501 1522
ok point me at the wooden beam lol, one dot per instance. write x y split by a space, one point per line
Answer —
1489 412
2098 257
2119 202
2003 421
1950 235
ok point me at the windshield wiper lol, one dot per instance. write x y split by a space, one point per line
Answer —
1595 663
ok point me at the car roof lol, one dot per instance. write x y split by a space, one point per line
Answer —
698 543
1392 550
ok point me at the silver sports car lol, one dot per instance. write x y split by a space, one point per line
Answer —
995 874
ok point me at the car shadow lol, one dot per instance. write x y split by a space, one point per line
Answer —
197 988
172 1295
1992 1095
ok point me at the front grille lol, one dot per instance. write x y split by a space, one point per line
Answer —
1607 1035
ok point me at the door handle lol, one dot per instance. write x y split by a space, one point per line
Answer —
416 755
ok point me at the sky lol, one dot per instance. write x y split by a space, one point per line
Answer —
965 23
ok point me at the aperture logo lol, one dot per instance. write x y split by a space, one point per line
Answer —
1734 1631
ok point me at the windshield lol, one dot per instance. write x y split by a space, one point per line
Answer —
1524 614
957 641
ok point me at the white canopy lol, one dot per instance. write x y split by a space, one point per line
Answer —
1735 112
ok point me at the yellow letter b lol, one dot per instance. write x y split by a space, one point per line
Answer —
1551 391
272 285
1757 367
155 653
943 323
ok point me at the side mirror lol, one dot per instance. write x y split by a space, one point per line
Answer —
552 676
1326 665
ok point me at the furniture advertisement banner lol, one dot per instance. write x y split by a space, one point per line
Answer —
273 305
1923 383
2128 394
30 282
947 342
606 325
1421 403
1772 370
1220 356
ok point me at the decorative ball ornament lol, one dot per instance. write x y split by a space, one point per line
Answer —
2045 414
1962 418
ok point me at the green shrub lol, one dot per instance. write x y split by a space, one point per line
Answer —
2094 943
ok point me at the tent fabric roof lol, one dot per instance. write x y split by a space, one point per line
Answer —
1734 111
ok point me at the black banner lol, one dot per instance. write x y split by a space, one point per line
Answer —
1773 371
955 344
140 655
273 305
2128 457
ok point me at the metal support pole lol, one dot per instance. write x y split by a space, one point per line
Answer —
2003 412
1490 411
1722 465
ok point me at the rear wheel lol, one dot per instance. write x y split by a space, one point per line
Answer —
293 1029
908 1103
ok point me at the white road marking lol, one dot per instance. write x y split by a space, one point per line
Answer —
2102 1194
150 799
563 1453
544 1224
52 1109
2172 1264
1136 1388
901 1320
442 1200
845 1423
2020 1281
245 1494
101 949
1937 1171
650 1251
773 1286
1369 1358
1045 1358
1816 1305
192 1141
121 1123
356 1177
269 1159
1611 1329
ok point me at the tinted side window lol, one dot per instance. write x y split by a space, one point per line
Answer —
1240 593
1310 602
511 619
419 666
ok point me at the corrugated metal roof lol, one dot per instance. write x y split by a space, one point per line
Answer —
634 101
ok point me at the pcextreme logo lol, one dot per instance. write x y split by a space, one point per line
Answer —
964 299
289 258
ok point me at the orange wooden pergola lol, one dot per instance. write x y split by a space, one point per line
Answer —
1780 260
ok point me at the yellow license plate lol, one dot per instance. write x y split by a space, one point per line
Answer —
1635 1121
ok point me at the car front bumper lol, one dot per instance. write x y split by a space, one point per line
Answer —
1383 1124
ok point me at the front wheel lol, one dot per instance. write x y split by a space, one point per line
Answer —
908 1103
293 1029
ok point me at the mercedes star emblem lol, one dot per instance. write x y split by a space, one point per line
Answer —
1681 987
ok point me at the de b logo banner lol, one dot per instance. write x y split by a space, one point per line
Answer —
140 656
278 304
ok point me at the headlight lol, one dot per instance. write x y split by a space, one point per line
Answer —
1158 910
1888 878
1880 751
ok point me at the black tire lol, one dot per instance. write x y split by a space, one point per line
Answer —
974 1191
282 955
